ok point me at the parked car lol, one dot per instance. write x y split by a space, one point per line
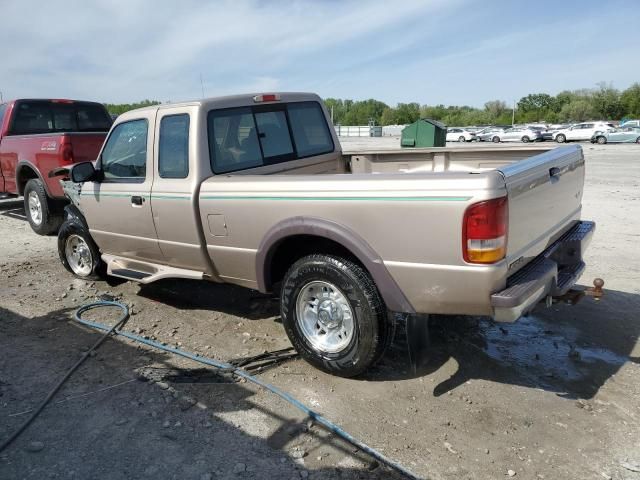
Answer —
518 134
617 135
581 131
460 135
38 136
491 134
549 133
254 190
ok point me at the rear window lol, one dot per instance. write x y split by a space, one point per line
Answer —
49 117
248 137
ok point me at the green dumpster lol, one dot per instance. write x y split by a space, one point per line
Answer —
424 133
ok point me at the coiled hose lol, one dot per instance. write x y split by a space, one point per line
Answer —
316 417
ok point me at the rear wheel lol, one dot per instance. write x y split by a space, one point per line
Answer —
601 140
495 139
525 139
334 315
39 209
561 138
638 140
79 253
462 139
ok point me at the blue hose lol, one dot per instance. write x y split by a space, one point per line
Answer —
316 417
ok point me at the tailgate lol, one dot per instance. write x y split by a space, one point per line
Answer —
86 146
545 198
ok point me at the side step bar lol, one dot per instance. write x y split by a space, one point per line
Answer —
145 272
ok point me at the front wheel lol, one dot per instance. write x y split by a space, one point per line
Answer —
561 138
40 211
495 139
334 315
601 140
462 139
78 252
638 140
525 139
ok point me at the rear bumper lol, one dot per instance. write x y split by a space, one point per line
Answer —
551 273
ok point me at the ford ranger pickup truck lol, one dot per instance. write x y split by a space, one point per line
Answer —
254 190
39 136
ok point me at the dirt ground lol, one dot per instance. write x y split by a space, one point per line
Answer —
555 395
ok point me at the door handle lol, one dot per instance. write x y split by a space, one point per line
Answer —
554 172
137 200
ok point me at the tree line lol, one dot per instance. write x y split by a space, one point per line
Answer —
602 103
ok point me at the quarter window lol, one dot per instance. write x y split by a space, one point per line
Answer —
173 152
248 137
124 157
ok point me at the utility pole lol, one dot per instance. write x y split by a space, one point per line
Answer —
513 114
0 96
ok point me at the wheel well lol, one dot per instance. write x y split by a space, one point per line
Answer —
23 175
293 248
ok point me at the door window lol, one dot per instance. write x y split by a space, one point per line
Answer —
173 151
124 157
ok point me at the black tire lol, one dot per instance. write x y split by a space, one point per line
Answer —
525 139
495 139
601 140
96 267
462 139
49 218
561 138
638 140
372 328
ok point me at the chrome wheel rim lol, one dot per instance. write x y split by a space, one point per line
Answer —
324 316
35 208
78 255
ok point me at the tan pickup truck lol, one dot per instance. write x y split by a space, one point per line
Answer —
255 190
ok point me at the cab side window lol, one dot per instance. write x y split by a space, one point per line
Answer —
124 158
173 152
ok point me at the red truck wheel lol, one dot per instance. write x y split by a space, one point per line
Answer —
334 315
38 209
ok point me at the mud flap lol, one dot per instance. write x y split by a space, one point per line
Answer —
418 341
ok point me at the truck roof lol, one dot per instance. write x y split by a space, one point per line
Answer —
229 101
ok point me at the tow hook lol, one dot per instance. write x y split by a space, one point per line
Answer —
574 295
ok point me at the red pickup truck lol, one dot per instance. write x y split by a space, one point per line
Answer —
38 136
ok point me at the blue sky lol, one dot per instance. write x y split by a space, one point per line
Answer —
451 52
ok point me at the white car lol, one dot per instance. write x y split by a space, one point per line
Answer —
460 135
518 134
581 131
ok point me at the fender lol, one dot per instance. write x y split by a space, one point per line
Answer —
27 163
73 214
393 297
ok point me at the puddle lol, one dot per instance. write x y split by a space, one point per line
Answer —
543 349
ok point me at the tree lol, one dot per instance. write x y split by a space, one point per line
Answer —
606 102
536 102
630 100
118 108
495 109
407 112
577 110
389 117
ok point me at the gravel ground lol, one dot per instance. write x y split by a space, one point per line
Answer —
555 395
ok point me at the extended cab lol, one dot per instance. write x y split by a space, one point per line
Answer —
39 136
254 190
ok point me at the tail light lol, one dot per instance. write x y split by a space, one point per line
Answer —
266 97
484 231
66 150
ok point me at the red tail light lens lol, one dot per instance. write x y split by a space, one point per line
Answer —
484 231
66 151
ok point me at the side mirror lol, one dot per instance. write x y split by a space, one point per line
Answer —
83 172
